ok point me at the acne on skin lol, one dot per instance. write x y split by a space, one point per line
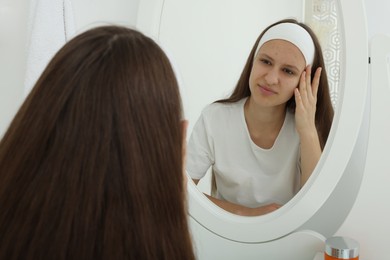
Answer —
276 71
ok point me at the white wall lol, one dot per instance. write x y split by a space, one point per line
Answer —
14 31
13 38
369 219
378 16
122 12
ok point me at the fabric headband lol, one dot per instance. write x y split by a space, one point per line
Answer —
293 33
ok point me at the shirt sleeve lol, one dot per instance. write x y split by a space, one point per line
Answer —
200 155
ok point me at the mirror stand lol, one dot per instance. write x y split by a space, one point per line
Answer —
335 181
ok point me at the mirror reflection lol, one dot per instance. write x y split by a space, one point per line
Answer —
256 160
264 141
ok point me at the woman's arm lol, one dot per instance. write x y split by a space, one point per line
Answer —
242 210
310 154
306 101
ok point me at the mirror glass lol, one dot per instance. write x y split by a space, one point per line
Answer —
211 48
209 42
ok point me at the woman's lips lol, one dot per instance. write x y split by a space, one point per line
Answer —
267 91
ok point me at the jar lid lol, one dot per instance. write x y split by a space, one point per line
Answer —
342 247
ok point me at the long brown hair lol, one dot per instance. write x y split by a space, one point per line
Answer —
324 110
91 167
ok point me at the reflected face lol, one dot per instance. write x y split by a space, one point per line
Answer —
275 73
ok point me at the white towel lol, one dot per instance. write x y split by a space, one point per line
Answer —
51 25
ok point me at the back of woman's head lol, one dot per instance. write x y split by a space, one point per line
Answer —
91 166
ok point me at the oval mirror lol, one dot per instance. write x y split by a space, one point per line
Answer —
210 42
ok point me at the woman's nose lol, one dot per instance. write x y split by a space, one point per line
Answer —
272 76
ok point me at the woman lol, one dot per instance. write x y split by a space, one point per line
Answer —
264 141
91 167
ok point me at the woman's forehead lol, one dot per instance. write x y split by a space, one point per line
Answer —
283 51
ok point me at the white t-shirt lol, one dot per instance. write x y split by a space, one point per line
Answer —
245 173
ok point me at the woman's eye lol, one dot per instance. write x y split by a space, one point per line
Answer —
265 61
288 71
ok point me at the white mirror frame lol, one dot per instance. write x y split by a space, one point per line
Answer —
324 202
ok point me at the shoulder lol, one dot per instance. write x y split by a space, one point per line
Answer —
218 117
223 109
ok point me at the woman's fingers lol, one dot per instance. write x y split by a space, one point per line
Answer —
316 82
308 82
298 98
303 87
308 89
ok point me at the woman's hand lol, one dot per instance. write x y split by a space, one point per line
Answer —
260 210
243 210
306 101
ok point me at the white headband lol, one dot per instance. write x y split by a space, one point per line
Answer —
293 33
